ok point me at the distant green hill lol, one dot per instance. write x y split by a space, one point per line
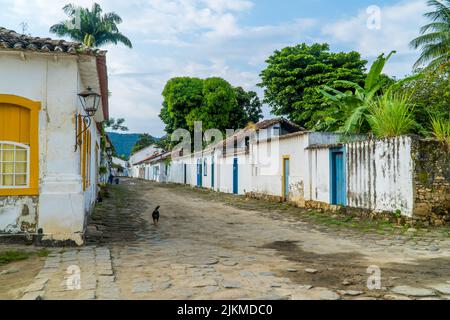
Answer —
123 142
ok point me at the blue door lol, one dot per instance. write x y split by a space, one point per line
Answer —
212 173
286 179
235 176
199 174
338 183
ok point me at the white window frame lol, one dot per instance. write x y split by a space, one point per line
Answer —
27 148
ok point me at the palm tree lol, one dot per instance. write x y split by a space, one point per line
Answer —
91 27
435 38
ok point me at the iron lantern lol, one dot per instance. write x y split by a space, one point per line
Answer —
90 101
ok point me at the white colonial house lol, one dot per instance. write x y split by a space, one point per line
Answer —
50 135
275 159
120 168
136 162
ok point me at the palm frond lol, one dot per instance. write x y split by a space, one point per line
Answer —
435 36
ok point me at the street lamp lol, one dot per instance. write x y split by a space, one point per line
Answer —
90 101
109 152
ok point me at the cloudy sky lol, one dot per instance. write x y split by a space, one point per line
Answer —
226 38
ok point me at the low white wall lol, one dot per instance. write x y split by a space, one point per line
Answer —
380 175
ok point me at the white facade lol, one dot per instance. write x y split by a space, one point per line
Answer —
380 175
62 203
302 168
122 164
137 167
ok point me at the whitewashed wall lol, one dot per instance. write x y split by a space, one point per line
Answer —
55 83
380 175
143 154
319 169
268 169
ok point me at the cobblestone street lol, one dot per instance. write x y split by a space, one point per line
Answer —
213 246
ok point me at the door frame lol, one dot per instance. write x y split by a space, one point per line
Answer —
235 176
333 189
200 173
213 164
283 177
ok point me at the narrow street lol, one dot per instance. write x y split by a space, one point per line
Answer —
215 246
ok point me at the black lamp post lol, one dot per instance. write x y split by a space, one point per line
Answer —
90 102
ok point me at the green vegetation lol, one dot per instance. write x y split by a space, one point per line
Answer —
391 115
115 124
213 101
43 253
441 129
95 30
144 141
435 36
15 255
294 74
123 143
11 256
354 107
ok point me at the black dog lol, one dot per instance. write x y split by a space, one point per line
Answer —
155 215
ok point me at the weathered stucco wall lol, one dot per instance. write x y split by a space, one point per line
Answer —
379 175
18 214
431 181
62 202
319 168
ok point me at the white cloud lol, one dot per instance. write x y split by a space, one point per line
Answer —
399 25
206 38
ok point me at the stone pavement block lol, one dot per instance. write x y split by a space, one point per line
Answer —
37 295
108 293
443 288
232 285
85 295
199 283
105 272
141 286
37 285
413 291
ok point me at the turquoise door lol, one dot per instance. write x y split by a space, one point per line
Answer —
338 183
286 179
212 173
235 176
199 174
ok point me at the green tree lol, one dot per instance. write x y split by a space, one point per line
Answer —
293 74
181 96
430 95
212 101
435 36
248 109
144 141
95 29
352 106
219 99
163 143
115 124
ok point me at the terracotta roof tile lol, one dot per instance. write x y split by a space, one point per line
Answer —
12 40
